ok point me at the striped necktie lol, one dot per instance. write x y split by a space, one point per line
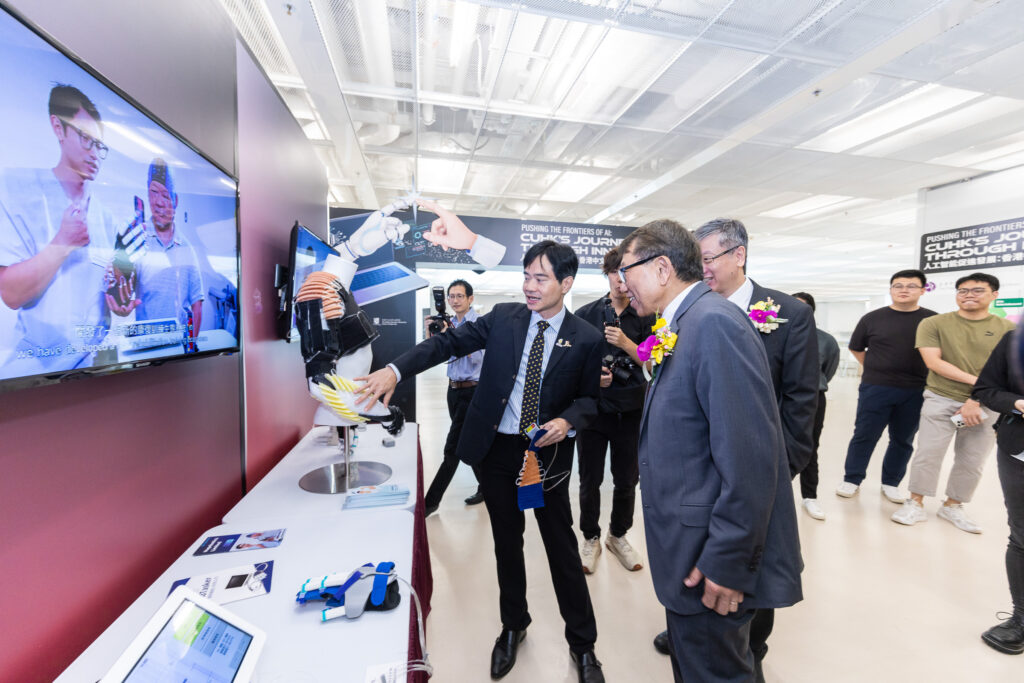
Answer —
531 388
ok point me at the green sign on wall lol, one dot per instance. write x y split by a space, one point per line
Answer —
1009 303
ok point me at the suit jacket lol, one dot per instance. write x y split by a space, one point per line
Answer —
713 468
569 389
793 359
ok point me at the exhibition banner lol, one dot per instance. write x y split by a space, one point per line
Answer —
985 246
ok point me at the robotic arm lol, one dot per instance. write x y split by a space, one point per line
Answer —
336 334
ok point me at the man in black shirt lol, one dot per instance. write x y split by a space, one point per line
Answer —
891 389
617 422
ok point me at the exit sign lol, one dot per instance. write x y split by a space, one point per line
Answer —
1009 303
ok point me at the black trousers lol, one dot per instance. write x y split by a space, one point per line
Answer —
458 403
498 473
710 648
621 431
1011 477
809 477
879 407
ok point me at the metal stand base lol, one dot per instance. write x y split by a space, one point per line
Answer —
340 476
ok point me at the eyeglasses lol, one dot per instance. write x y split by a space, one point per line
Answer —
456 297
88 141
909 288
708 260
976 291
622 269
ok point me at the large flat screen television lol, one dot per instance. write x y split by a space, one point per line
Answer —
306 255
118 239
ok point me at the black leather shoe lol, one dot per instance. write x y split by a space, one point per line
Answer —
503 656
475 499
661 642
589 667
1007 637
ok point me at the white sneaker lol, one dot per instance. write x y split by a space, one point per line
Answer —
910 514
847 490
588 554
892 493
627 555
955 515
812 508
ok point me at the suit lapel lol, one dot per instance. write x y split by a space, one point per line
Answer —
697 292
519 328
563 343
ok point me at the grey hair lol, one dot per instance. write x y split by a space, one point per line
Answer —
731 232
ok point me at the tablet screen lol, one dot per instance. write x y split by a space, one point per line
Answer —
194 645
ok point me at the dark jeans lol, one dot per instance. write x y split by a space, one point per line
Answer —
809 477
1011 476
498 473
621 431
878 407
458 403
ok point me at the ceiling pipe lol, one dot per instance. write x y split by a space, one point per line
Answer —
375 44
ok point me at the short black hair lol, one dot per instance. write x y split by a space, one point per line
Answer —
909 273
66 100
465 285
563 260
612 260
806 298
665 237
991 280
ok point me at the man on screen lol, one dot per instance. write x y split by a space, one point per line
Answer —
55 243
169 277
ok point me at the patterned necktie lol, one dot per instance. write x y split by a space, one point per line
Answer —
531 388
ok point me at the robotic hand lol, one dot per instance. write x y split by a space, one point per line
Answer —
335 339
379 228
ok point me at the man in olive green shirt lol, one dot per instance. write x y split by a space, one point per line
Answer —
955 347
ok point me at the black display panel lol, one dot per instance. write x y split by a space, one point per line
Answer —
306 255
118 240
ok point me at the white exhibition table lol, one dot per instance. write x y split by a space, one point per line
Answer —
320 538
278 494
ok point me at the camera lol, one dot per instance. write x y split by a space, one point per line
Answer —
438 322
611 318
622 367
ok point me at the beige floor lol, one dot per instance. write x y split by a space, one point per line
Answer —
882 602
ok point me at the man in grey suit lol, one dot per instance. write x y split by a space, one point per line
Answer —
719 515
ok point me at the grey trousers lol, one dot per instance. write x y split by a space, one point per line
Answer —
971 449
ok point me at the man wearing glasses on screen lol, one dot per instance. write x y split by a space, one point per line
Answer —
55 244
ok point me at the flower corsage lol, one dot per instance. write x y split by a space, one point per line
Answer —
659 345
765 315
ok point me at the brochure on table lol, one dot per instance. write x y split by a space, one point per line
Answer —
234 583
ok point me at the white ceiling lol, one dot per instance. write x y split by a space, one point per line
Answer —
813 121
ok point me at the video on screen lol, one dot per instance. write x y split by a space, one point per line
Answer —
118 241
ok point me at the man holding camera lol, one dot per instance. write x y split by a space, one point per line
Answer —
617 423
463 376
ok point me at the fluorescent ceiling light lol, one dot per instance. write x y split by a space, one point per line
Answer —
944 125
442 175
920 104
973 157
1002 163
901 217
573 186
805 205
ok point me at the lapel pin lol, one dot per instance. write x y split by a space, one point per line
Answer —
563 344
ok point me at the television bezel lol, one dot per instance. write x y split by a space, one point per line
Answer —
62 376
286 312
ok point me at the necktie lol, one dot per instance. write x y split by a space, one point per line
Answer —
531 388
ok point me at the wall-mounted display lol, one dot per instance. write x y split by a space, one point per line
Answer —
118 240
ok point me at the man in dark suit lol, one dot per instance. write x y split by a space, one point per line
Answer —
792 349
720 519
515 338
